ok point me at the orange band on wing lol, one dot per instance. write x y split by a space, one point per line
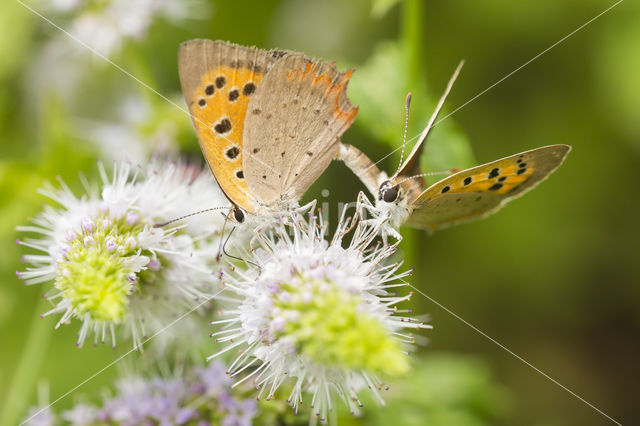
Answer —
219 106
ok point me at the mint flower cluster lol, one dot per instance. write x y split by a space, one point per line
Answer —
318 313
110 267
311 316
200 396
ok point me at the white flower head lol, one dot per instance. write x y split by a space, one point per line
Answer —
317 313
105 25
110 266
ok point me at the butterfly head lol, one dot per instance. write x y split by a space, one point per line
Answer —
394 200
238 214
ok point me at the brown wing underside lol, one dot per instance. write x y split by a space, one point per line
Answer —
293 127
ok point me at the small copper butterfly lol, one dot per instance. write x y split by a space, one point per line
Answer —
268 122
465 195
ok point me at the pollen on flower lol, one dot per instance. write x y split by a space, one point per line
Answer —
95 280
328 325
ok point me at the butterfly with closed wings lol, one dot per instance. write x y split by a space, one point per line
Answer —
404 198
268 122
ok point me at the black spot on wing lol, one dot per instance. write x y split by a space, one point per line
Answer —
278 53
494 173
209 90
445 189
248 89
233 152
495 186
521 171
223 126
467 180
233 95
220 81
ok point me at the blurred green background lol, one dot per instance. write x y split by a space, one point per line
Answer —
554 277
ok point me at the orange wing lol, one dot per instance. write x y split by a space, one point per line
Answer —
482 190
218 79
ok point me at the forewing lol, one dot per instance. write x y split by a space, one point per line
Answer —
293 127
411 166
218 79
481 190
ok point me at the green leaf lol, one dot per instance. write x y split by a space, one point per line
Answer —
380 88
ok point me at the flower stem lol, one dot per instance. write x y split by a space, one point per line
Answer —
412 40
412 37
26 373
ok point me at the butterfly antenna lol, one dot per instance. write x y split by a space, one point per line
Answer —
407 104
423 175
452 80
163 224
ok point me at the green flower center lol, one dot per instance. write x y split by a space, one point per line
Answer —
331 327
93 273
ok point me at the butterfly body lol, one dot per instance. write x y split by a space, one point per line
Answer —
268 122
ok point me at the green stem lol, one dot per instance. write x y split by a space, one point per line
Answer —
26 374
412 36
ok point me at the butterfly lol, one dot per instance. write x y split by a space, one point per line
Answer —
268 122
464 195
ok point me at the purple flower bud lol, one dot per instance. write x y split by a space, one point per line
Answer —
88 240
132 278
154 265
278 324
111 244
64 249
87 224
132 218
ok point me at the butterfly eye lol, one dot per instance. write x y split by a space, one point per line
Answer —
238 215
388 193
